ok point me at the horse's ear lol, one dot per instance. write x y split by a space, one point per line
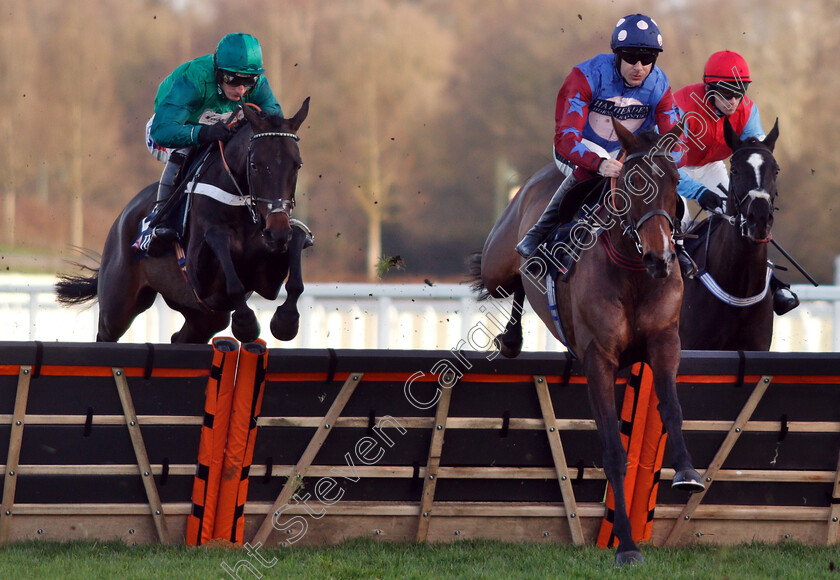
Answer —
625 137
300 116
729 135
251 114
770 140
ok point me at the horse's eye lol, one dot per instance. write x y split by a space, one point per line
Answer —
253 166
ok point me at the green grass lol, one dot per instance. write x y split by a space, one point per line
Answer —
370 559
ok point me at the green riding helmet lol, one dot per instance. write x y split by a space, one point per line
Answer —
240 53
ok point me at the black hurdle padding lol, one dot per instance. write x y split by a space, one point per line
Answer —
99 489
150 361
55 394
701 362
97 354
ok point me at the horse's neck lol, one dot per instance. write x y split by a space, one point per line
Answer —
737 263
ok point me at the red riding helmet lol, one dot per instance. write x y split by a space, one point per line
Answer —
723 65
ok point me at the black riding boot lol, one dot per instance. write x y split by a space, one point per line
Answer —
547 222
687 265
164 235
784 300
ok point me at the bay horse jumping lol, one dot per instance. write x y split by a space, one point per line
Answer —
729 305
612 315
240 238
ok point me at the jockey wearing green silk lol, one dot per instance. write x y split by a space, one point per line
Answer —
191 108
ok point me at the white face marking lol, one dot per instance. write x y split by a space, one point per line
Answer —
759 194
756 161
666 239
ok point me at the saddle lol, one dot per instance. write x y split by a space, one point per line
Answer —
589 193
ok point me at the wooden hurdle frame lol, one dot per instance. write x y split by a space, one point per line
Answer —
320 404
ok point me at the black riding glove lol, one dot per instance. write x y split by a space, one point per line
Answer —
709 201
216 132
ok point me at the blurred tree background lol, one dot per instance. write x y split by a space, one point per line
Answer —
425 114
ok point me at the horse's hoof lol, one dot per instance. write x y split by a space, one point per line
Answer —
688 480
284 326
508 350
629 557
245 326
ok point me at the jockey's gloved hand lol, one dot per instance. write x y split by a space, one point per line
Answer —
217 132
709 200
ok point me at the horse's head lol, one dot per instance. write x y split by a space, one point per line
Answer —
271 163
645 196
752 183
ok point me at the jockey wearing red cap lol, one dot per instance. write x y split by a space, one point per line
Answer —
706 106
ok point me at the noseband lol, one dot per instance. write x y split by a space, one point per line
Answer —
630 227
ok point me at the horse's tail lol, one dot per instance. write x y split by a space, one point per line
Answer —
474 278
71 289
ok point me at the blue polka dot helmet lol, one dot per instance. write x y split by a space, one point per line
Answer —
636 31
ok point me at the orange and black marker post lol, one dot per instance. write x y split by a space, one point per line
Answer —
241 436
644 441
214 432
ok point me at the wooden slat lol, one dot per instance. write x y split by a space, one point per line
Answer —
559 457
104 469
143 465
765 426
449 509
775 475
309 454
492 423
13 456
407 472
834 516
103 509
433 465
721 455
746 512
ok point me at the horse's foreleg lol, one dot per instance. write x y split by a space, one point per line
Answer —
600 378
510 340
286 320
244 322
664 356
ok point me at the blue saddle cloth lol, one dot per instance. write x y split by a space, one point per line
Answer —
178 219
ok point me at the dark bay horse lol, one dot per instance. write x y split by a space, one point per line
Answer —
730 307
239 241
612 315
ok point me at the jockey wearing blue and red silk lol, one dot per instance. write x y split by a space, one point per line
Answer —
595 91
626 85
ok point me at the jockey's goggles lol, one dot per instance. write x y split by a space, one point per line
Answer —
725 92
634 56
237 79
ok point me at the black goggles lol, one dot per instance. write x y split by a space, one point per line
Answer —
725 93
237 79
634 56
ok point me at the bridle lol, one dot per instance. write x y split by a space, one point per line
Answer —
739 218
630 227
286 205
